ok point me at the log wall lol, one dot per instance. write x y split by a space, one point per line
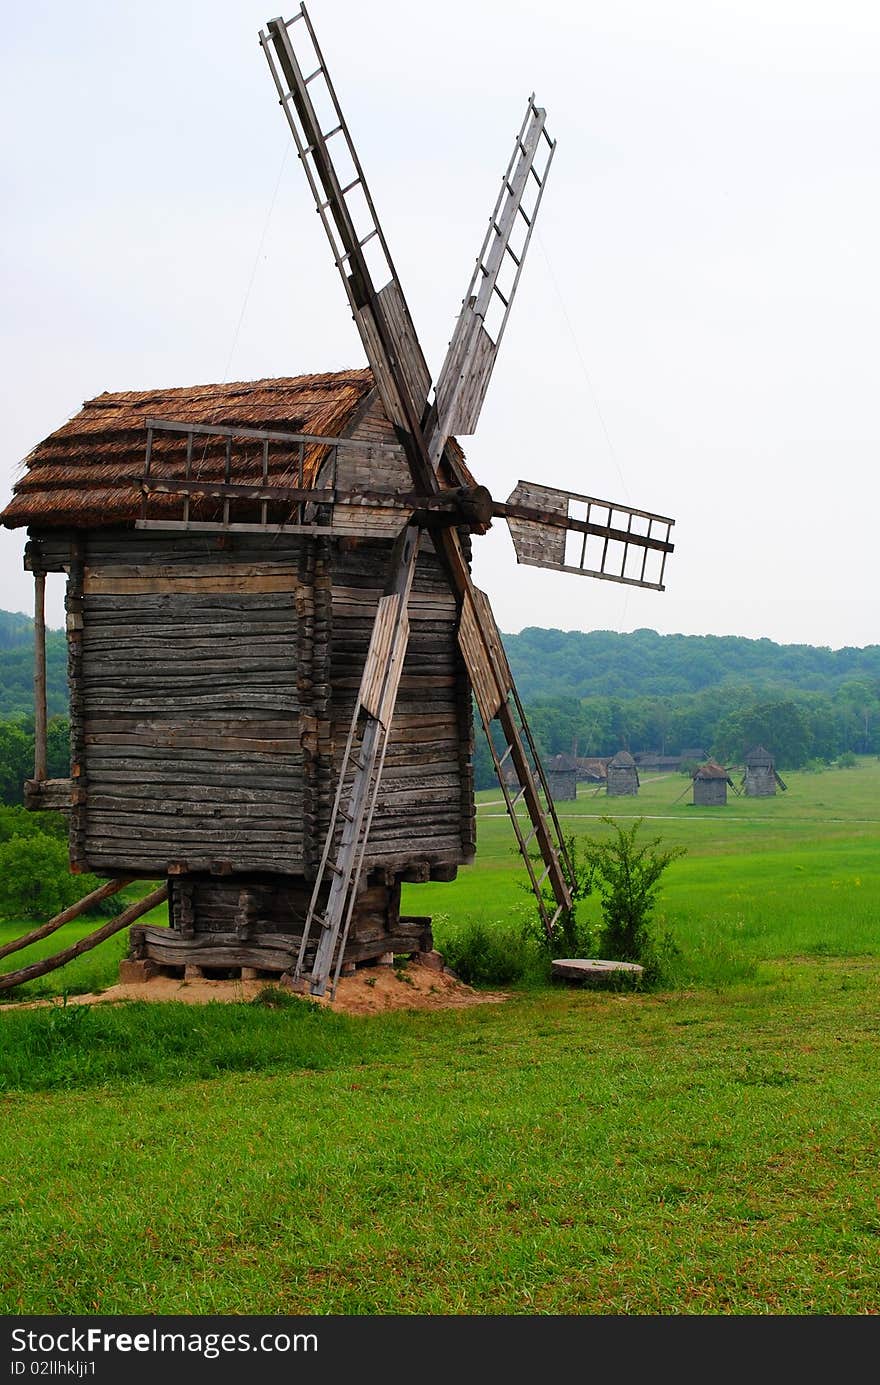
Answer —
710 792
196 655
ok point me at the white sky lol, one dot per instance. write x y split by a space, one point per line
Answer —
696 326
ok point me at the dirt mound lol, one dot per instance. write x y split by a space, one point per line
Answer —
369 991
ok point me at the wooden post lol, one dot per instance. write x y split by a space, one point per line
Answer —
40 752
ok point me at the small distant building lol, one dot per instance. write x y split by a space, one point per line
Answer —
622 776
692 755
760 778
710 784
591 770
562 778
657 762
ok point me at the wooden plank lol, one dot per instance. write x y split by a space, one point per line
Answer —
48 795
378 686
483 678
97 584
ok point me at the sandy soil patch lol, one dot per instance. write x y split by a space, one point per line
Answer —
371 990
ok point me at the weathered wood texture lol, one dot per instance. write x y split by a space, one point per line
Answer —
39 675
424 808
710 792
563 785
260 923
48 795
189 681
593 969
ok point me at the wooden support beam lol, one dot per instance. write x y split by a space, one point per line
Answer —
66 916
58 959
40 715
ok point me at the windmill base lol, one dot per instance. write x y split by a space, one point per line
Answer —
253 930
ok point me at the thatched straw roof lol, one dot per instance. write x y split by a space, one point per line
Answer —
622 760
562 764
88 472
592 767
712 770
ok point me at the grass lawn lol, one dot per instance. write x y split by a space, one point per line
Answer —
709 1149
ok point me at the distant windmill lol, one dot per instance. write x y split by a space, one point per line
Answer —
562 777
622 776
760 779
710 783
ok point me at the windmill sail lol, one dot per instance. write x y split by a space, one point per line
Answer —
586 536
464 378
346 208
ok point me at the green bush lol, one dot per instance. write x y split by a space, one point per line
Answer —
626 875
35 882
21 822
487 954
572 936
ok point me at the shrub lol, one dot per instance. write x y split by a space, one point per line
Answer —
487 954
22 822
571 936
35 882
626 875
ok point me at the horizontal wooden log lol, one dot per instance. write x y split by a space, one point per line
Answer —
207 741
191 757
150 933
280 702
266 565
140 649
273 625
267 809
255 723
208 776
104 857
48 795
198 952
403 943
156 827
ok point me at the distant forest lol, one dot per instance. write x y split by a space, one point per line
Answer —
600 691
719 693
17 667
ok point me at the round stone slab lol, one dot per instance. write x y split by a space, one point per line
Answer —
580 968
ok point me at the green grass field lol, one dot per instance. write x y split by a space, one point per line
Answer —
706 1149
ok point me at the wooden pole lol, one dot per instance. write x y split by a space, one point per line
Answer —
134 911
66 916
40 753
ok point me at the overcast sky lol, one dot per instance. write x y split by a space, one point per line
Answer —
696 328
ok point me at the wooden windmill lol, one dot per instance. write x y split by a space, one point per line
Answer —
760 777
369 514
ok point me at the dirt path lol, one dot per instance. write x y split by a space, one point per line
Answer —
372 990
